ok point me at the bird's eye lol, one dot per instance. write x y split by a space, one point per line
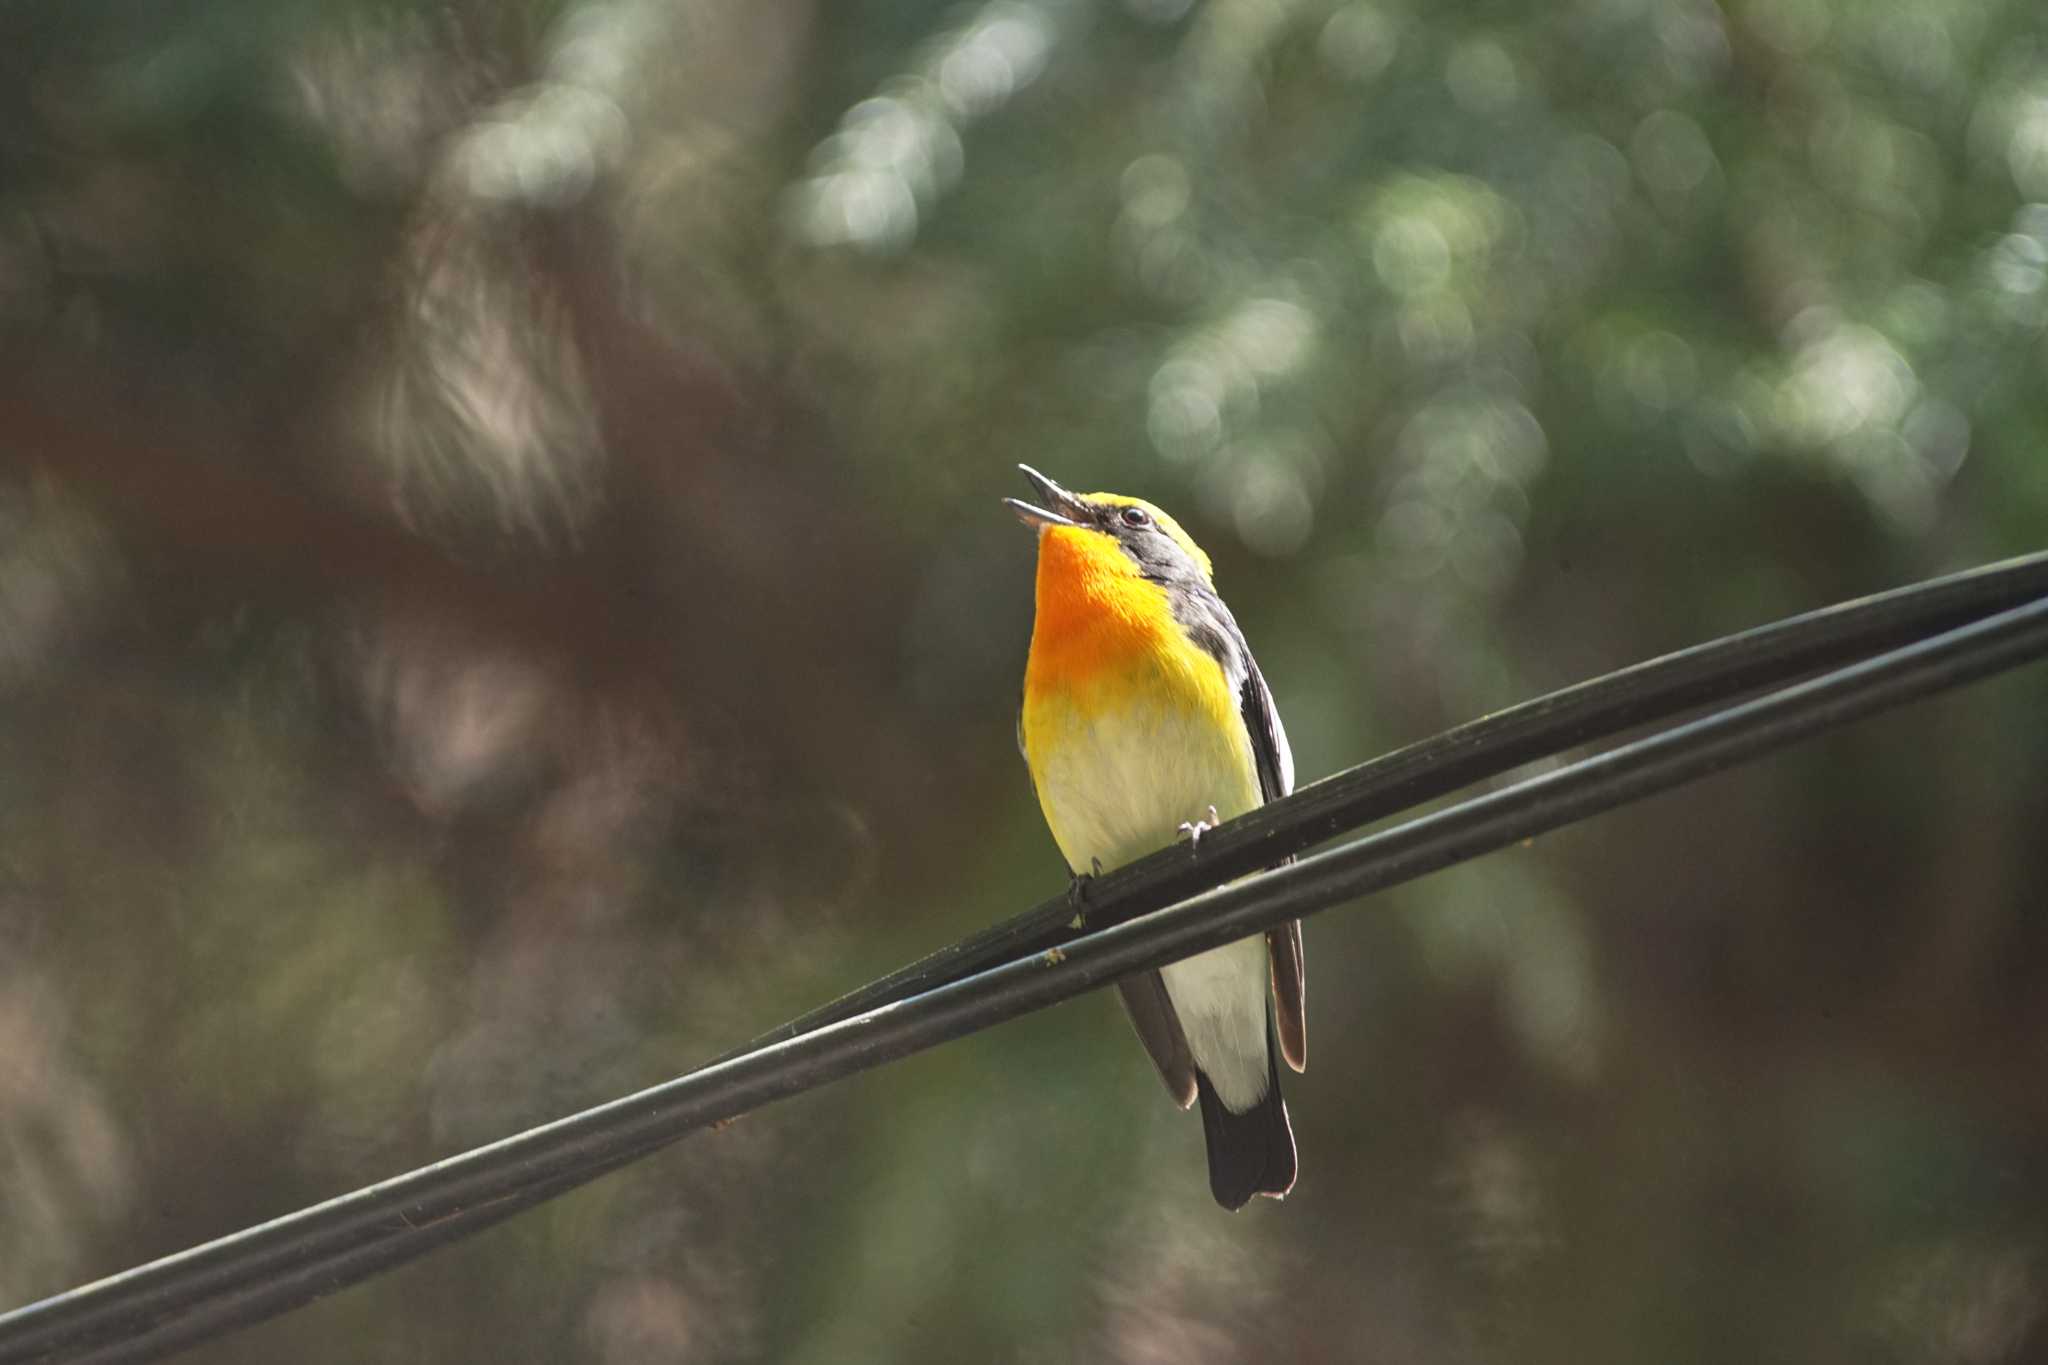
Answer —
1135 517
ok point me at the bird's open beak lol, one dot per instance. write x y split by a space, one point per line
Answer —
1061 507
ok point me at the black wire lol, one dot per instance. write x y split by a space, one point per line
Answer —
208 1290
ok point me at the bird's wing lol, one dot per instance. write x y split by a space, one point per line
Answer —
1275 762
1290 992
1269 738
1152 1015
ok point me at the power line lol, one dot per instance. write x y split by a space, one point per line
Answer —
237 1280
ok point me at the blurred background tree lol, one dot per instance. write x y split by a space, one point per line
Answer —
502 596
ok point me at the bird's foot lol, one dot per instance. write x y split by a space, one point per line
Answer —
1077 890
1193 830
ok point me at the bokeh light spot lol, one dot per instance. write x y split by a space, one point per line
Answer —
1358 42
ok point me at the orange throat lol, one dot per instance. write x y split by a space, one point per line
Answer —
1095 611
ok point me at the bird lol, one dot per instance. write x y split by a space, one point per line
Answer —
1144 722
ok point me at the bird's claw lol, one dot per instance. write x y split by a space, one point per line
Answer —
1193 830
1077 890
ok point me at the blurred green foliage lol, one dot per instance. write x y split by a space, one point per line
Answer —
502 596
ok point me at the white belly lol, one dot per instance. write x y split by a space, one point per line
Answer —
1118 787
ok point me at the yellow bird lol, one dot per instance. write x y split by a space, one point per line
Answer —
1145 720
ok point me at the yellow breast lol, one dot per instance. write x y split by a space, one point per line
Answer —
1129 729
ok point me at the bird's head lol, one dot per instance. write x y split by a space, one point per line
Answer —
1148 538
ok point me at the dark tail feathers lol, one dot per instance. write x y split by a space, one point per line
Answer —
1249 1153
